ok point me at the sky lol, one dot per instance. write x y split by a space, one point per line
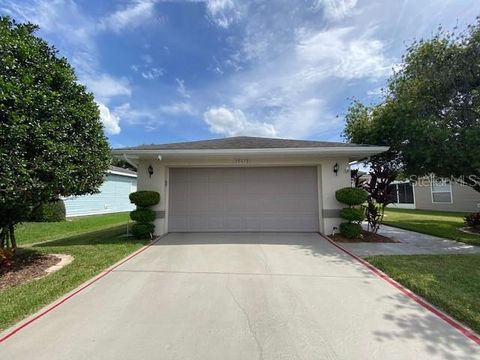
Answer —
170 71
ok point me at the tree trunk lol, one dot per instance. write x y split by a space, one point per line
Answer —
3 235
7 237
13 241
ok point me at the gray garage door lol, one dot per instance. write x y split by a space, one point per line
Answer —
243 199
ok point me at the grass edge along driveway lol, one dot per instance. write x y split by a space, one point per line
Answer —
93 252
36 232
437 223
449 282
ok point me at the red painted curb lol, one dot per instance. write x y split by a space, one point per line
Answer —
46 311
459 327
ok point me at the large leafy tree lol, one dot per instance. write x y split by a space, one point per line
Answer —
430 113
51 139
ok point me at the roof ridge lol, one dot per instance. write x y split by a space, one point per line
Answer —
241 142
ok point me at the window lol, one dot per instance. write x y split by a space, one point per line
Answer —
441 191
402 193
405 193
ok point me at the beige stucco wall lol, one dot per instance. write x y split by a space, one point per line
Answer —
328 182
465 199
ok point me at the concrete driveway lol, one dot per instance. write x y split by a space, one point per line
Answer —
240 296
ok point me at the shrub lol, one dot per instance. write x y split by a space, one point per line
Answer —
351 196
142 230
143 227
351 230
145 198
49 212
472 219
143 215
352 214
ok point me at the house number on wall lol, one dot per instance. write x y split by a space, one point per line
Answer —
241 161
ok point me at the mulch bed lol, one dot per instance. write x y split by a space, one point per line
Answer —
25 267
367 237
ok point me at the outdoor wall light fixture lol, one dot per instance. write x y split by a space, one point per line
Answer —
150 170
335 169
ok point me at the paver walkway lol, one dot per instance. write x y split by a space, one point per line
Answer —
410 243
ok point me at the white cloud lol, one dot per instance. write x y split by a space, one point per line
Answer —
181 88
110 121
105 86
131 16
224 121
152 73
177 108
223 12
135 116
339 52
335 9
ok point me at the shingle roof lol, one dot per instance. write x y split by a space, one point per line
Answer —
122 170
241 142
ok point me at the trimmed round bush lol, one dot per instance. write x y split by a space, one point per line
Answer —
351 230
143 215
352 214
142 230
351 196
49 212
145 198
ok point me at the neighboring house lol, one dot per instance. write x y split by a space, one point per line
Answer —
436 194
112 196
246 183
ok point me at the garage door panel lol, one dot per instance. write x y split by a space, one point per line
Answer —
243 199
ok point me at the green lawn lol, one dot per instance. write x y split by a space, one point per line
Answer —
92 252
451 282
28 233
438 223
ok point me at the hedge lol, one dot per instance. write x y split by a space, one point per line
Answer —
351 230
352 214
351 196
143 215
142 230
145 198
49 212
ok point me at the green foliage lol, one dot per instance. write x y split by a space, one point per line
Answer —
473 219
142 230
52 140
352 214
49 212
351 230
145 198
430 113
143 215
351 196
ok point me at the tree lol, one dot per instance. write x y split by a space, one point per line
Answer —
379 193
430 113
51 139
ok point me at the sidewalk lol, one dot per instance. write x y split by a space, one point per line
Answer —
410 243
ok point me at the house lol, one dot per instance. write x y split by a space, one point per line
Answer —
246 183
429 193
112 196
